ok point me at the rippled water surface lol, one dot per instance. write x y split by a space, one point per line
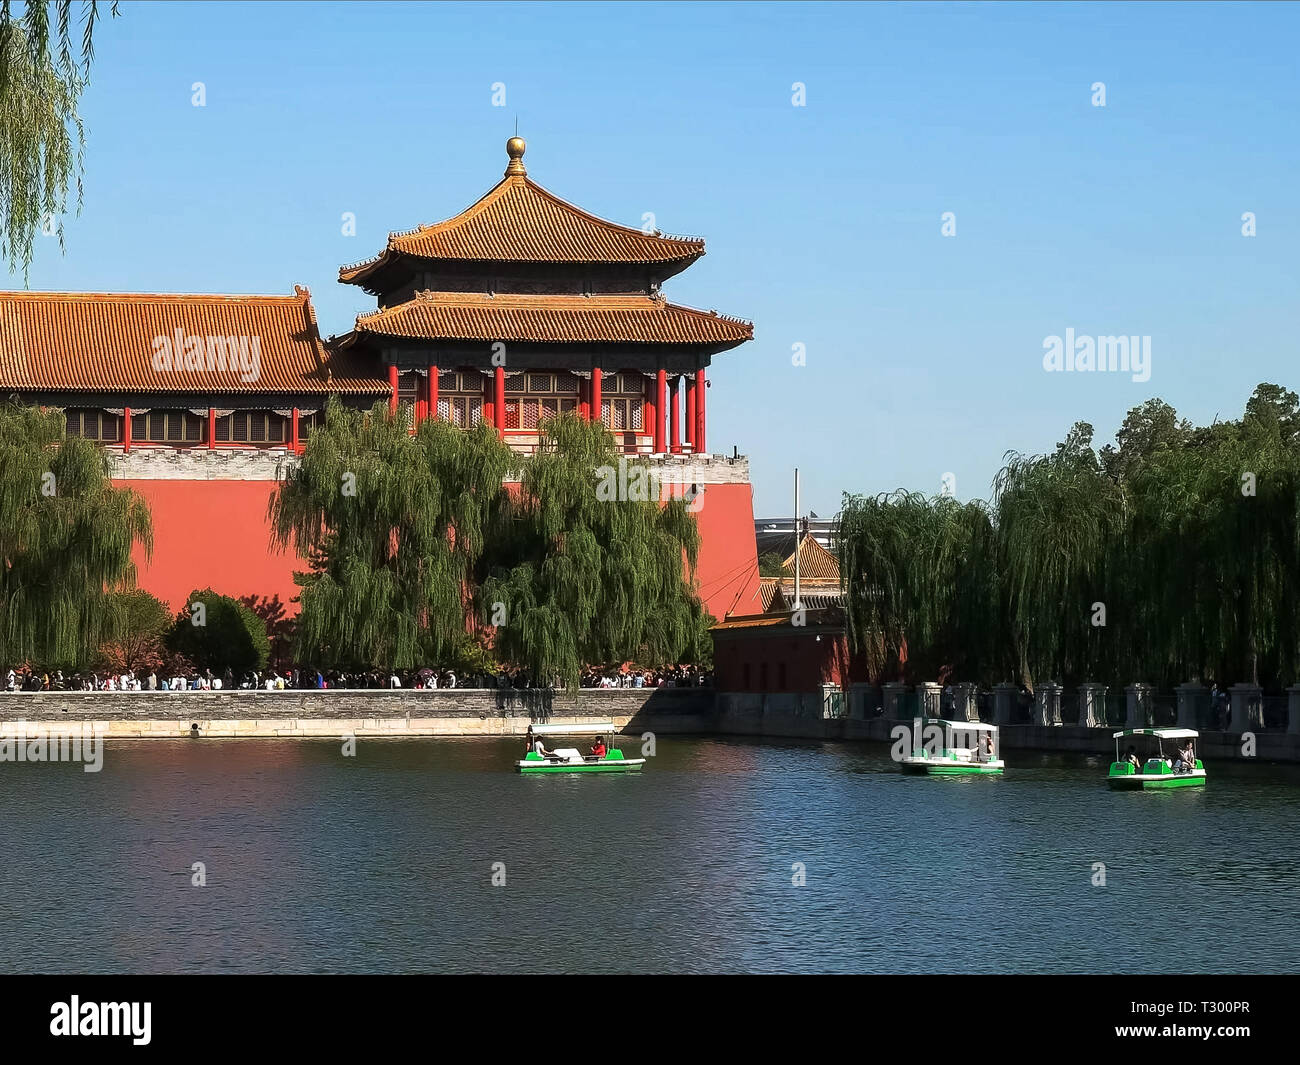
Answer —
384 862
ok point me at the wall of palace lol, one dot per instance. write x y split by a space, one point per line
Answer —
211 528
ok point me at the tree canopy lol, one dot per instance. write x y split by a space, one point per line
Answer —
217 632
1171 555
420 555
66 537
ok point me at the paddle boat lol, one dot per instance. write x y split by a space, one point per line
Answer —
571 759
953 760
1157 771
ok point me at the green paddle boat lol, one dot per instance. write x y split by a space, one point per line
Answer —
1158 771
571 759
970 748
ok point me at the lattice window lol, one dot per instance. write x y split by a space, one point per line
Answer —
628 384
530 412
168 427
254 427
462 411
94 425
621 414
408 385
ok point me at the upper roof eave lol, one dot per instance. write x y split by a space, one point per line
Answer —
518 221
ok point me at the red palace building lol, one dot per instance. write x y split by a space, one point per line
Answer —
520 307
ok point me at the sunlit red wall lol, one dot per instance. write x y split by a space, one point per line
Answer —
215 534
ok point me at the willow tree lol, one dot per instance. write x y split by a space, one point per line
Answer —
42 76
1059 520
393 524
920 588
590 565
66 537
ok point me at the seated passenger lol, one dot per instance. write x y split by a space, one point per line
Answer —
1132 759
599 748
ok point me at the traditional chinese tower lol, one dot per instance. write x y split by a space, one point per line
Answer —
525 306
519 308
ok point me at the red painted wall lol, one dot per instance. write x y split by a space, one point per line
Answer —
726 572
214 534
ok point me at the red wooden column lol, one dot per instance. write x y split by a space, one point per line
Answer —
212 427
293 432
489 415
650 418
392 383
661 401
126 429
690 412
675 418
584 400
421 400
499 399
701 394
597 413
431 403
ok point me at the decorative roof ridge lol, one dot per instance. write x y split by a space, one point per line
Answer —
656 235
346 267
711 314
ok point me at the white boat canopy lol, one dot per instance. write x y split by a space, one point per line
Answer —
1163 733
968 726
585 728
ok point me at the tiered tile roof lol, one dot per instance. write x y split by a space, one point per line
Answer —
89 341
518 221
632 319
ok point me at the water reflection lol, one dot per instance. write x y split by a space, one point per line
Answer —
383 862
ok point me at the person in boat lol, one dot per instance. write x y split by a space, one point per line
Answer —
598 749
1133 759
986 747
1186 760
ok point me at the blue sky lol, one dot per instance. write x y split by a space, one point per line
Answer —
923 352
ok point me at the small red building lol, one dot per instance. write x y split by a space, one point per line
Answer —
775 653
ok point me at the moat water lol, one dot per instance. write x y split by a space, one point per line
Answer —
723 855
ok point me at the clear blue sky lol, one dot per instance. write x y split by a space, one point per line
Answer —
924 353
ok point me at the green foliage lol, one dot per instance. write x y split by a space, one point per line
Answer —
394 524
420 556
280 628
1187 538
922 581
230 635
137 625
66 536
770 564
41 135
585 579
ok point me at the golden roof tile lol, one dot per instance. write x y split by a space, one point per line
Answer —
557 319
519 221
115 342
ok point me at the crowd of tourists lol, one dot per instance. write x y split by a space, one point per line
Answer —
676 677
25 679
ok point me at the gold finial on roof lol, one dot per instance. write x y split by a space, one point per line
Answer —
515 149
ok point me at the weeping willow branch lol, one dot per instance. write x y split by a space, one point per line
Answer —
66 537
41 134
